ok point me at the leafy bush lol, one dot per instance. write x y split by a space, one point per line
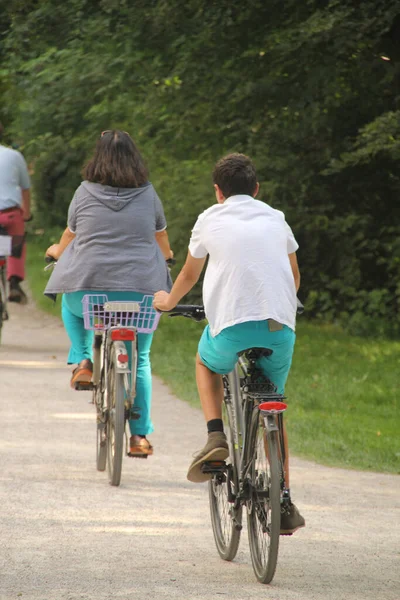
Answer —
309 90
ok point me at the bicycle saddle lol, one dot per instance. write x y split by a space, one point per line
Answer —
254 354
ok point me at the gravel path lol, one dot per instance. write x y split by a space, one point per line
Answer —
67 535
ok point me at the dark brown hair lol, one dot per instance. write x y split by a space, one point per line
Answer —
116 161
235 174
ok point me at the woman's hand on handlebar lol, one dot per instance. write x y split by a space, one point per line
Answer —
53 251
162 301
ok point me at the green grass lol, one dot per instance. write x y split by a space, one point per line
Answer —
36 247
342 391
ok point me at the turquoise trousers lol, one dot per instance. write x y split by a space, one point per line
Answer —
82 347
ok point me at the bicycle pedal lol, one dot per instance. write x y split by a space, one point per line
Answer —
214 466
137 455
83 387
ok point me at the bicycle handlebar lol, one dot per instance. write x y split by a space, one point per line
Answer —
190 311
196 312
300 307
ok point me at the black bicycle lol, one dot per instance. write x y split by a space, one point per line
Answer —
253 477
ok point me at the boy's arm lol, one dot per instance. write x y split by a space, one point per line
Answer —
295 270
186 279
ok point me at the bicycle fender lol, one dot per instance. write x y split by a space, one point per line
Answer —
121 353
271 423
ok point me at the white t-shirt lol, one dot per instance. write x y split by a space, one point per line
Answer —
249 276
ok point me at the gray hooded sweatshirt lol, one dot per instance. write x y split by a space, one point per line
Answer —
115 247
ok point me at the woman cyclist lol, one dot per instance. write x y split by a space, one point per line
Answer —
116 244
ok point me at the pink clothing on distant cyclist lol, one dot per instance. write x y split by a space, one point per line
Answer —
13 221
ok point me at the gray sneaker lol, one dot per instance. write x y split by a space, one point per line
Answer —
215 449
291 520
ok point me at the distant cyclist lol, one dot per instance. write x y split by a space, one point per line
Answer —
249 295
116 244
15 208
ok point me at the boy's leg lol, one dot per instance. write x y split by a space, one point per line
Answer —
209 385
211 391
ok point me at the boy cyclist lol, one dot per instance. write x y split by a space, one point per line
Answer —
249 295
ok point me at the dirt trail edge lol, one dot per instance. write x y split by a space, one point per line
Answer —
66 534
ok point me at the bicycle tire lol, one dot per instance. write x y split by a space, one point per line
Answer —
226 520
3 300
101 429
98 401
264 507
115 420
1 317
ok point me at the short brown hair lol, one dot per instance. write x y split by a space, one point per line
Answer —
116 161
235 174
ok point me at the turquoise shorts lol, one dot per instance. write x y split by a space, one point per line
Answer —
220 353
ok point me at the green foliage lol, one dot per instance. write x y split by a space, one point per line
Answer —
308 89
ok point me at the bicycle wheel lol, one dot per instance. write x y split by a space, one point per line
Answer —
101 429
226 519
264 506
98 401
1 316
115 420
3 298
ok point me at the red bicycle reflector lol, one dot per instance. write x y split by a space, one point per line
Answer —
124 335
272 408
122 358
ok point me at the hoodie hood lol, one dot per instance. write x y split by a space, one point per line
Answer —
113 197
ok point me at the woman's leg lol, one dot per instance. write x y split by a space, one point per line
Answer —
81 339
143 425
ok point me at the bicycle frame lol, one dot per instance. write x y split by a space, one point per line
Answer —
243 406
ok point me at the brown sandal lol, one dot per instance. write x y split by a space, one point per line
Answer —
139 447
82 376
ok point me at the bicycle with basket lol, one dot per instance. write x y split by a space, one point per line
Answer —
115 325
